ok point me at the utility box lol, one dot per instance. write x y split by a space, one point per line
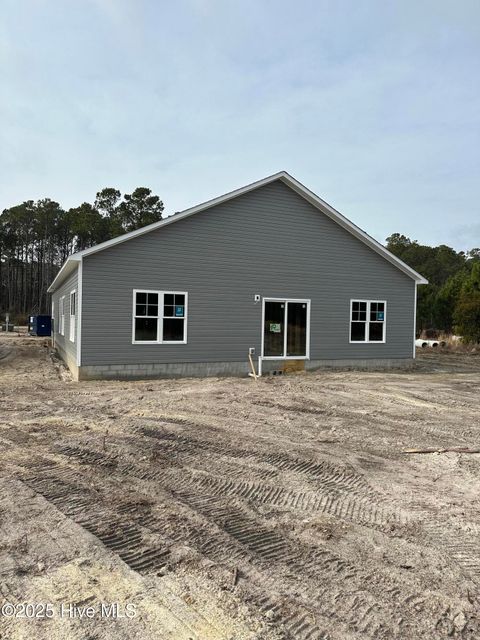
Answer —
40 325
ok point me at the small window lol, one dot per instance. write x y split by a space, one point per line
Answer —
159 317
73 313
61 313
367 321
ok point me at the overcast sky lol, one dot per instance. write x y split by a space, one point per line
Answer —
374 106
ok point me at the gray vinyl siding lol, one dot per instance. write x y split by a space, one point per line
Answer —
270 242
66 348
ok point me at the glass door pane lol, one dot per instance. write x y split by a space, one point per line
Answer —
274 329
296 329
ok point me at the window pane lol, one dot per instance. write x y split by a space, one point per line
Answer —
357 331
179 311
141 298
145 329
153 298
169 299
173 329
359 310
377 311
296 329
179 299
273 328
152 310
381 311
376 331
141 310
168 311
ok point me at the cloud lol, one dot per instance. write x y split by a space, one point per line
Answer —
371 105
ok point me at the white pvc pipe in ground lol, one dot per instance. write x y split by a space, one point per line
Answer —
430 343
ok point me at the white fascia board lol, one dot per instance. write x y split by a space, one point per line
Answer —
287 179
68 267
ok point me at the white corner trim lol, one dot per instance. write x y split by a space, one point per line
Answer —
287 179
78 312
415 320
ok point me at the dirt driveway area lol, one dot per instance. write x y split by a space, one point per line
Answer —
234 509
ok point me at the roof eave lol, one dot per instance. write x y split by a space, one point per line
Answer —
68 267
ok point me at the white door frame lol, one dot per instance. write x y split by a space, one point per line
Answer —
306 301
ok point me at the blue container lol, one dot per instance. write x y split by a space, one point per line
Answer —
40 326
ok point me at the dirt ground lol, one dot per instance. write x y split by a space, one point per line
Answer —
235 509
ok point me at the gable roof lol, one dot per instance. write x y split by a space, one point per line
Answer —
71 263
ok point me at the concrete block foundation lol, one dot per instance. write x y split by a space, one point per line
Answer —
222 369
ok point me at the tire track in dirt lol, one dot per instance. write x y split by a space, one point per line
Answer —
458 545
236 538
352 507
360 510
342 493
269 550
127 540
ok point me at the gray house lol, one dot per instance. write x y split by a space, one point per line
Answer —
269 269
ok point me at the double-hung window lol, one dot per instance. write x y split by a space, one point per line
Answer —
61 313
73 314
159 317
367 320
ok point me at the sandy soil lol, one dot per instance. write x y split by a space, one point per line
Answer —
234 509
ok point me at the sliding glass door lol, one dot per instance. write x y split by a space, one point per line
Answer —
285 328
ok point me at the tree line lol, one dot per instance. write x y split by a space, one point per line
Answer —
451 301
37 237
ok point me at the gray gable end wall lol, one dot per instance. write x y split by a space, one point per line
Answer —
270 242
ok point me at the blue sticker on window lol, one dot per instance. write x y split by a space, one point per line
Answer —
179 312
379 315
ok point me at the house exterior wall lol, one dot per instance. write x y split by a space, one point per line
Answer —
65 347
270 242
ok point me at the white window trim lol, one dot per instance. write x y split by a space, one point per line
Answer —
306 301
61 314
160 318
367 322
72 324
